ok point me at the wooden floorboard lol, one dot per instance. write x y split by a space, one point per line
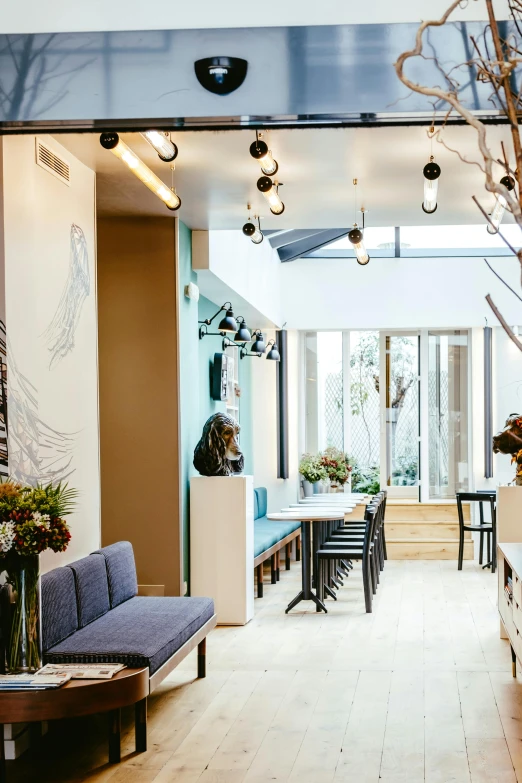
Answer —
419 690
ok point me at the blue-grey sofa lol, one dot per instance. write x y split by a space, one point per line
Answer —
270 538
91 613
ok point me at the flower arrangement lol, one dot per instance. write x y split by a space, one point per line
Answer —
337 464
312 469
31 521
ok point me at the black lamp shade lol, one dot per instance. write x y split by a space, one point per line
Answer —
508 182
273 353
109 140
228 323
248 229
431 170
258 346
355 236
243 334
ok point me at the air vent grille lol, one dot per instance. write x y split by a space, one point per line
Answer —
52 162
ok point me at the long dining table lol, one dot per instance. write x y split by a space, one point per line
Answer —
307 516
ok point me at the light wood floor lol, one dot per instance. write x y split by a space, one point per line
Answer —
420 690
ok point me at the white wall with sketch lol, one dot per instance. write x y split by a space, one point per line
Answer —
50 307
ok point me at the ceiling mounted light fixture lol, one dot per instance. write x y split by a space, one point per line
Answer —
260 152
163 145
500 206
112 142
270 191
252 231
227 324
431 172
356 234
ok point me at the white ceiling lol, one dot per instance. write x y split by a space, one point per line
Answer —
216 177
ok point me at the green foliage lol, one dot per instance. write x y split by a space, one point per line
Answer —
312 469
367 479
406 472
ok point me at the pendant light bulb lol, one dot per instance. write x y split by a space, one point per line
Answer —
112 142
166 149
253 232
500 206
269 191
260 152
356 238
431 173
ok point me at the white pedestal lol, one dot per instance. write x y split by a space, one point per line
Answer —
509 515
222 545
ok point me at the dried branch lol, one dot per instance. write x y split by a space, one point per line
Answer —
503 323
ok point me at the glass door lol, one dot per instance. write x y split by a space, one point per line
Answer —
448 413
400 414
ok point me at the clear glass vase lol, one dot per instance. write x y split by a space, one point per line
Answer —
24 649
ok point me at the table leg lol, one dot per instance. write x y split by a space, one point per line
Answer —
114 736
2 755
306 593
140 725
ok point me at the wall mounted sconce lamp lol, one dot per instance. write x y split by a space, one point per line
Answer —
500 206
260 152
112 142
243 333
270 191
227 324
166 149
273 354
258 348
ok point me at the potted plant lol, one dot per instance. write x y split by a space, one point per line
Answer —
313 472
31 521
338 466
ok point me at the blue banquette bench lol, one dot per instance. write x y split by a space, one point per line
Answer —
270 538
91 613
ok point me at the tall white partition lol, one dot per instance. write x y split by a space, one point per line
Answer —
222 545
509 515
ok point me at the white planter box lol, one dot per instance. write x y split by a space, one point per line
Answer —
222 545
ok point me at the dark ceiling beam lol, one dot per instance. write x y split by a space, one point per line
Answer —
311 243
294 235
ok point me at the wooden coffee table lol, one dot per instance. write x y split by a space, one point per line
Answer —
82 697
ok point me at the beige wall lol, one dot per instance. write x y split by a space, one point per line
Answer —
138 394
49 248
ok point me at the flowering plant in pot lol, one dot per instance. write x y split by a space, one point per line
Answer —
338 466
312 470
31 521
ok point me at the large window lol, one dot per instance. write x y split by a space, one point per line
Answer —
428 241
363 395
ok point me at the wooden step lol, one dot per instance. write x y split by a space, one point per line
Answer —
424 512
442 549
423 530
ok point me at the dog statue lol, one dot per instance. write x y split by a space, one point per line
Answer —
218 452
509 441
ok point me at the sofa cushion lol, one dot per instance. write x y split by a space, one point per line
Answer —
144 631
121 571
261 501
267 534
92 588
59 609
256 506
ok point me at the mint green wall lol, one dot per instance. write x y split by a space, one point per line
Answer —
196 404
188 382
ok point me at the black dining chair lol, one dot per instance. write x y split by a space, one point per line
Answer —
484 528
335 550
491 493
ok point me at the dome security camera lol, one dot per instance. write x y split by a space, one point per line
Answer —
221 75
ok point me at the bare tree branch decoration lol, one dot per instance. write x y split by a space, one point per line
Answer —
495 61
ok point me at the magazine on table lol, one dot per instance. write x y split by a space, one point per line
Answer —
82 671
33 682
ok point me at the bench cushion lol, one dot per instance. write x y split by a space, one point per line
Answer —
262 501
143 631
59 609
267 534
121 572
92 589
256 507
